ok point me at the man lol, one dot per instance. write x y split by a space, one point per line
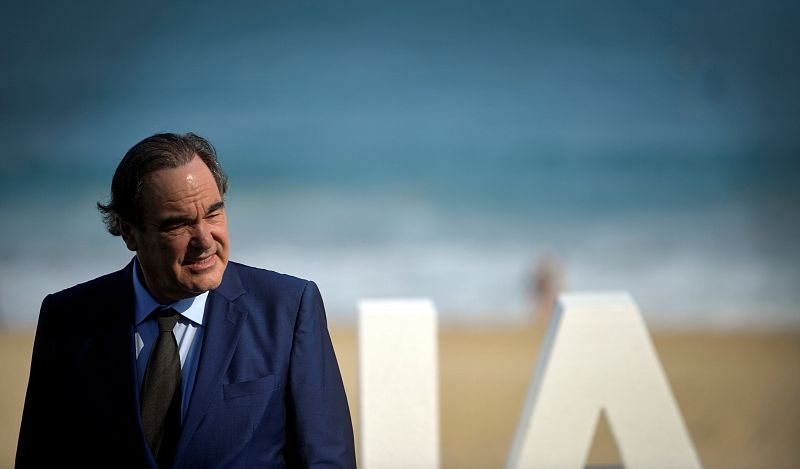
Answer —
182 358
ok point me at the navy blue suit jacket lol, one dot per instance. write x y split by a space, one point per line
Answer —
268 392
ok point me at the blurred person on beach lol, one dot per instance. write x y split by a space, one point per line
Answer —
182 358
547 281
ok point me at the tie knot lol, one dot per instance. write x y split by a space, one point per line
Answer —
166 319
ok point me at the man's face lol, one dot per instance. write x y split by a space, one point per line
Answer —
182 241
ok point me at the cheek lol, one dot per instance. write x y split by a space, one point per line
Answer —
173 249
220 234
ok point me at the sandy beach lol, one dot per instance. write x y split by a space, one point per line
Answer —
738 393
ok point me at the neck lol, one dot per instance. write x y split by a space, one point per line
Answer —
143 281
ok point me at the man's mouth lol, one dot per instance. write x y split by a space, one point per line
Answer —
200 263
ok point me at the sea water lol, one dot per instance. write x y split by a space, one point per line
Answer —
467 234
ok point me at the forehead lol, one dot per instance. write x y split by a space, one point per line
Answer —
189 184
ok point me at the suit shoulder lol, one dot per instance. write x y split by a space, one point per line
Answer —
87 297
273 291
257 276
89 289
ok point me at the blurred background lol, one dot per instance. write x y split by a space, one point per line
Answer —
483 154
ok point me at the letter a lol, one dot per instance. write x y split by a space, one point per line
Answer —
597 355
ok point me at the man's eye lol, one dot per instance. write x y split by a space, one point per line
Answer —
173 226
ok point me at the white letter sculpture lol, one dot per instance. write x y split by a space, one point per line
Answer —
398 384
597 355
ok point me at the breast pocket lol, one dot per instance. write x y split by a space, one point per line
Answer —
247 388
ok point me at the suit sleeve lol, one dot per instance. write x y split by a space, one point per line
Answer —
319 429
38 439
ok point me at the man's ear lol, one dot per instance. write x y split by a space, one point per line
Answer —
126 230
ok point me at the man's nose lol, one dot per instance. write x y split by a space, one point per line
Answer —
201 237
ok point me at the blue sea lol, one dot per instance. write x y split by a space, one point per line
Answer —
427 149
691 253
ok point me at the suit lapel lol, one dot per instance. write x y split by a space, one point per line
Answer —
115 357
119 367
223 322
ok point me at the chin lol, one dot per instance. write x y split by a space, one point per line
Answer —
208 280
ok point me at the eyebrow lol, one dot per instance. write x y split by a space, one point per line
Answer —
175 221
214 207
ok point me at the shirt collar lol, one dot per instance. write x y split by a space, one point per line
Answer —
192 308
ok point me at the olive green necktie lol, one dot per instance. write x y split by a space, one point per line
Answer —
161 391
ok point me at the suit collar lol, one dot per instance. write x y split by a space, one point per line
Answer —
231 286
